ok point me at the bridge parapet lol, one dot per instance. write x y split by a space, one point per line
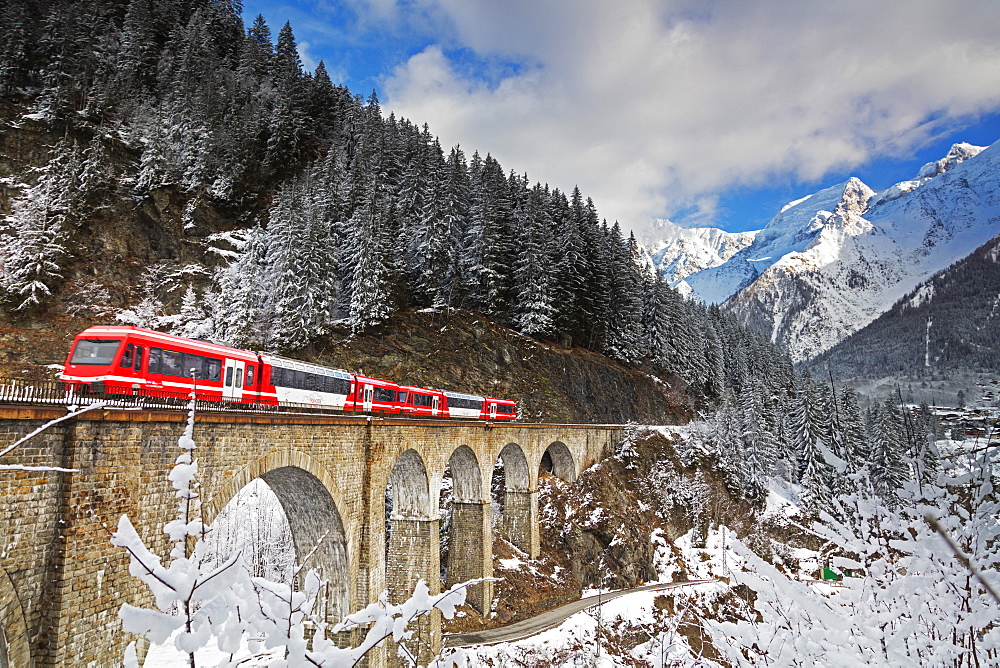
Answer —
62 582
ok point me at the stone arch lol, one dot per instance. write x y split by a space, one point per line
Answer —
309 500
558 460
517 477
466 476
15 650
518 517
411 498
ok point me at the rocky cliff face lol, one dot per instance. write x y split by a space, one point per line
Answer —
111 247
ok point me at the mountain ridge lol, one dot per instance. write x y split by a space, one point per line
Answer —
830 263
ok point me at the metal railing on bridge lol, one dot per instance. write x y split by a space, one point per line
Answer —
17 391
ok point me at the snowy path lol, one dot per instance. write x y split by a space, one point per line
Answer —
550 618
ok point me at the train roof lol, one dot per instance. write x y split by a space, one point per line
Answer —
299 365
459 395
164 338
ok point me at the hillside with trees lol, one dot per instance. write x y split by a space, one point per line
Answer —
166 166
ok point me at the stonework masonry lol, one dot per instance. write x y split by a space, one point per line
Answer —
62 582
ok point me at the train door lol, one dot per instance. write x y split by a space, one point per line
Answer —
232 385
493 411
369 397
435 404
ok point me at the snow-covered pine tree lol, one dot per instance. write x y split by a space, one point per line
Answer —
758 444
240 311
927 461
655 323
809 431
854 436
887 451
532 268
371 297
624 316
572 270
288 131
40 226
190 321
715 368
487 254
300 248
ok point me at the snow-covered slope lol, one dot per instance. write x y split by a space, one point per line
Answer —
682 251
830 263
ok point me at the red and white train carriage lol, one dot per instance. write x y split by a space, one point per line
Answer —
127 360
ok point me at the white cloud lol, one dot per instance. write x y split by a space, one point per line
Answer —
650 105
308 61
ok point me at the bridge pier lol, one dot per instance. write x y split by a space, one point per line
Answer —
520 521
413 555
470 551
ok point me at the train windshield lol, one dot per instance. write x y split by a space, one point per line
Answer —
95 351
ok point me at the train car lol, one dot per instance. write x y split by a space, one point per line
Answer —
421 401
291 382
498 409
123 359
373 395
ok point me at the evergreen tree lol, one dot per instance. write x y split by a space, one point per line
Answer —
887 451
370 296
758 445
535 309
854 438
240 310
486 255
809 430
624 324
41 224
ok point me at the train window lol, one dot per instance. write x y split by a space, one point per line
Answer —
155 354
137 365
402 397
384 394
456 402
276 372
172 363
211 369
93 351
505 408
311 379
229 376
422 400
249 376
127 356
239 379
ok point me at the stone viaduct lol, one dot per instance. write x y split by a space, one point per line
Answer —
62 582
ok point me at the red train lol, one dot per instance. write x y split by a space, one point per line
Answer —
122 360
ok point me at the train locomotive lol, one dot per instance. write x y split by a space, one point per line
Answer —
134 360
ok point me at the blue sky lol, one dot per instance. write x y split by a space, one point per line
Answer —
705 112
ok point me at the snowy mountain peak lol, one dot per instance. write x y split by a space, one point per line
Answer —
959 153
683 251
809 213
